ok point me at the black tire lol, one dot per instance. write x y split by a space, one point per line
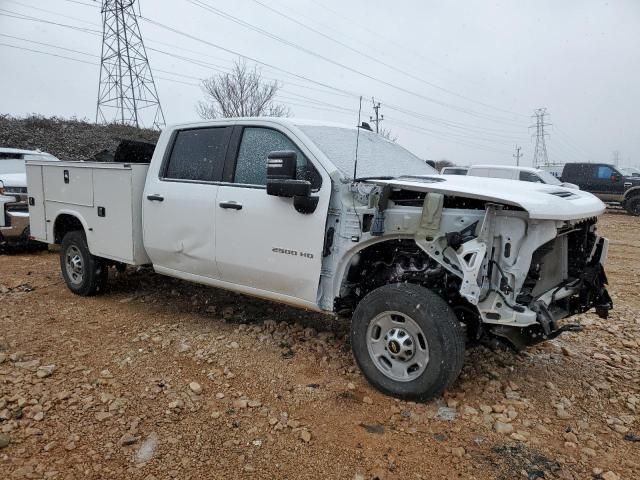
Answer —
441 329
632 205
90 274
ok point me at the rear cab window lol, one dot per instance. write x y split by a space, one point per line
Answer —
197 155
604 172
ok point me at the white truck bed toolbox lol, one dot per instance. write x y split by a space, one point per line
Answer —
107 196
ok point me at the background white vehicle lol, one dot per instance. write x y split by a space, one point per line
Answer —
14 213
554 169
630 171
524 174
272 207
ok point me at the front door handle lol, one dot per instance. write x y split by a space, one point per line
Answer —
232 205
155 198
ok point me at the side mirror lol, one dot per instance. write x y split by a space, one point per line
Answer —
281 181
615 178
281 165
281 175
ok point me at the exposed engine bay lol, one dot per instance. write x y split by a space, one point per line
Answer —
509 278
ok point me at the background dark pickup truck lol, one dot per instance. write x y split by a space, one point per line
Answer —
605 182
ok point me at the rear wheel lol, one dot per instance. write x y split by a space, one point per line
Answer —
407 341
632 205
84 274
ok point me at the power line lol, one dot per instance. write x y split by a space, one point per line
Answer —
308 51
377 60
21 16
325 88
47 53
51 12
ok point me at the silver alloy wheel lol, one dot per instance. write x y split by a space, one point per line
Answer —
397 345
74 264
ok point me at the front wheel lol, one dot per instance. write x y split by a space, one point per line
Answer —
407 341
84 273
632 205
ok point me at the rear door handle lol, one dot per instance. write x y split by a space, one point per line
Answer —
155 198
232 205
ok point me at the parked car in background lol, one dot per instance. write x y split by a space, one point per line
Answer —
454 171
630 171
607 183
14 211
554 169
524 174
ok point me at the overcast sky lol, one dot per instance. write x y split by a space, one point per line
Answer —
456 79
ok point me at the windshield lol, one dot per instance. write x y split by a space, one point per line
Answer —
548 178
12 165
377 157
15 162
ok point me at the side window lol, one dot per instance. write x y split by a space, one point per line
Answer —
256 144
198 154
604 172
530 177
501 173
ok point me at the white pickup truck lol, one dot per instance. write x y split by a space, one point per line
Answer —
270 207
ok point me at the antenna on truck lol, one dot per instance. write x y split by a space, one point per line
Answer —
355 165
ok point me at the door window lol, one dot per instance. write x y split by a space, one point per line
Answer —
501 173
256 144
197 155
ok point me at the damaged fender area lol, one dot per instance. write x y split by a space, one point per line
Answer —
507 276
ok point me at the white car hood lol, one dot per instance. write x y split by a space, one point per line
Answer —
14 179
549 202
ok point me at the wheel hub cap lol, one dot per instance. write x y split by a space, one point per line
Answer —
74 264
397 345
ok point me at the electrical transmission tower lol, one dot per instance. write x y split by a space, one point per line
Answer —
379 118
540 156
127 93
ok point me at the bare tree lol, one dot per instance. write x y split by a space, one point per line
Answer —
442 163
241 93
388 134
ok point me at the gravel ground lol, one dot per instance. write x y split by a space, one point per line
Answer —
160 379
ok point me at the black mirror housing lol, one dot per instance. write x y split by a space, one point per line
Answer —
288 188
281 165
281 181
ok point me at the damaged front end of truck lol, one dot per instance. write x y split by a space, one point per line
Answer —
512 265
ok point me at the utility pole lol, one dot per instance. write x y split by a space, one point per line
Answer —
517 155
540 156
379 118
127 93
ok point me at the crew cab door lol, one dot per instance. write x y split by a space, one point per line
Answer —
606 182
262 242
179 202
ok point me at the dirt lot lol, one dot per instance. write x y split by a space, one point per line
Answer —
162 379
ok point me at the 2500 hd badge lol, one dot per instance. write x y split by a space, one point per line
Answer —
295 253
